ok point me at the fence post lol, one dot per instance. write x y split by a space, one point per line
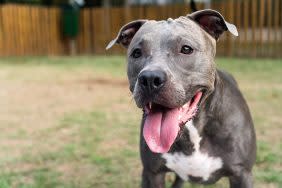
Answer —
127 12
246 27
269 26
276 29
254 22
238 16
261 25
229 41
1 33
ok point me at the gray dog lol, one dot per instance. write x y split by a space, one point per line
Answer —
196 122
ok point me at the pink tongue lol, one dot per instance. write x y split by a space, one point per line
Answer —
161 129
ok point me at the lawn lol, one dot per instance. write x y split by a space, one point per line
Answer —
71 122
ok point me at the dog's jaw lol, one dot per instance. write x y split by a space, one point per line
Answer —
162 125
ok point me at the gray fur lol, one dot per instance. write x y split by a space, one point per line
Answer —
223 120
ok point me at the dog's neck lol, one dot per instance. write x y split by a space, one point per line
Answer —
211 107
214 101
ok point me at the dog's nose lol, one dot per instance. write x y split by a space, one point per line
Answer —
152 81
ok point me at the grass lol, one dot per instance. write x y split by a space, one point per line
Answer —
71 122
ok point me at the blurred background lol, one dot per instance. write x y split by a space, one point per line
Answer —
67 118
85 26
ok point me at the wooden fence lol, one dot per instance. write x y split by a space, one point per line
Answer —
31 30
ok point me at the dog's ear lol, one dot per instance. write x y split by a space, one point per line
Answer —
213 22
126 33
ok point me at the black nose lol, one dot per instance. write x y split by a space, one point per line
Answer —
152 81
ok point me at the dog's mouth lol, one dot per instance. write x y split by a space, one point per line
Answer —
162 124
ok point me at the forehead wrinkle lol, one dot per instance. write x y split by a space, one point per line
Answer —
181 29
154 33
193 29
140 41
191 40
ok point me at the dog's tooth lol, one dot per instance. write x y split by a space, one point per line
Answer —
150 105
179 117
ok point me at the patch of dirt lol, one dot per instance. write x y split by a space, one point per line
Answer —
30 107
105 81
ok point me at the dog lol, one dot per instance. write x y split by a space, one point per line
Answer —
196 122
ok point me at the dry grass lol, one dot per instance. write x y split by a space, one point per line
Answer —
71 122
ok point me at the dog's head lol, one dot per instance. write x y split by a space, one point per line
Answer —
171 69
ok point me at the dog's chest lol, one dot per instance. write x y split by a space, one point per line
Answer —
198 164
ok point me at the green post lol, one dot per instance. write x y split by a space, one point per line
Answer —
70 21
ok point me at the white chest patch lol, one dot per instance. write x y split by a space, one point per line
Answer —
198 164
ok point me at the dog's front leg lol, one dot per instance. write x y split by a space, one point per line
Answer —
153 180
178 182
243 180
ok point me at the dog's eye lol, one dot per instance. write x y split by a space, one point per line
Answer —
136 53
186 49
